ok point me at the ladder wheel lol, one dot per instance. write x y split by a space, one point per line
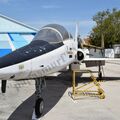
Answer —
102 96
100 91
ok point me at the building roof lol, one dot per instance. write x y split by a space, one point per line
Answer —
14 34
10 25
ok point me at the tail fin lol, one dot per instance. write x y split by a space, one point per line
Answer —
78 41
76 35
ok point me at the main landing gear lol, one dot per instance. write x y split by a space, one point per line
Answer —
39 104
99 71
3 86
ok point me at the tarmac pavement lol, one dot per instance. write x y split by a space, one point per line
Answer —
18 102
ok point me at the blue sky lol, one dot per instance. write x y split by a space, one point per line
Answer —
38 13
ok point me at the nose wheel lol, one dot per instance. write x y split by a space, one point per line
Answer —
39 103
39 107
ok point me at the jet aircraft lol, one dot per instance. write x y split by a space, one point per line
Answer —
52 49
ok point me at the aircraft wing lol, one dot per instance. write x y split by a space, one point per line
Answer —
96 57
102 59
92 62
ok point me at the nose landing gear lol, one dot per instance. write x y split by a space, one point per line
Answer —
39 104
39 107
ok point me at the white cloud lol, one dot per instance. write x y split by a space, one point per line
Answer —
50 6
82 23
87 23
85 26
5 1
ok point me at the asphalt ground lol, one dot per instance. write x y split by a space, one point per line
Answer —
18 102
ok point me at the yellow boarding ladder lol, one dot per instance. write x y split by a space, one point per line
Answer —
86 89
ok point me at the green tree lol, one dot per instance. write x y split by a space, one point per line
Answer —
108 25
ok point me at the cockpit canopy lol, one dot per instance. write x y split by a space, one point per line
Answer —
47 39
52 33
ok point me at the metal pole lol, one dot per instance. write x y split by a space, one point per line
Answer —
73 84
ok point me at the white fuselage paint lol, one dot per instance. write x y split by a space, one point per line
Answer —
42 65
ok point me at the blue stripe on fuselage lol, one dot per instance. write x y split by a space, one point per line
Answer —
4 52
17 40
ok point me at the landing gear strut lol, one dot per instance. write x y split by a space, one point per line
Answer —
39 104
99 72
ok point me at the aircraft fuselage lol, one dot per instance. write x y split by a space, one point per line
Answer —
40 65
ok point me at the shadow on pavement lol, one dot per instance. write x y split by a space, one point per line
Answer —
56 87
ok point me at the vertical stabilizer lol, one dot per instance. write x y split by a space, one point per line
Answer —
76 35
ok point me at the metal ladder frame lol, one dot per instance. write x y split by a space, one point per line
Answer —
84 90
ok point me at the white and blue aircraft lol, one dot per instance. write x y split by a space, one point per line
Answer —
51 50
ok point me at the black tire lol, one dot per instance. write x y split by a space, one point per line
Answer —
39 106
3 86
100 75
